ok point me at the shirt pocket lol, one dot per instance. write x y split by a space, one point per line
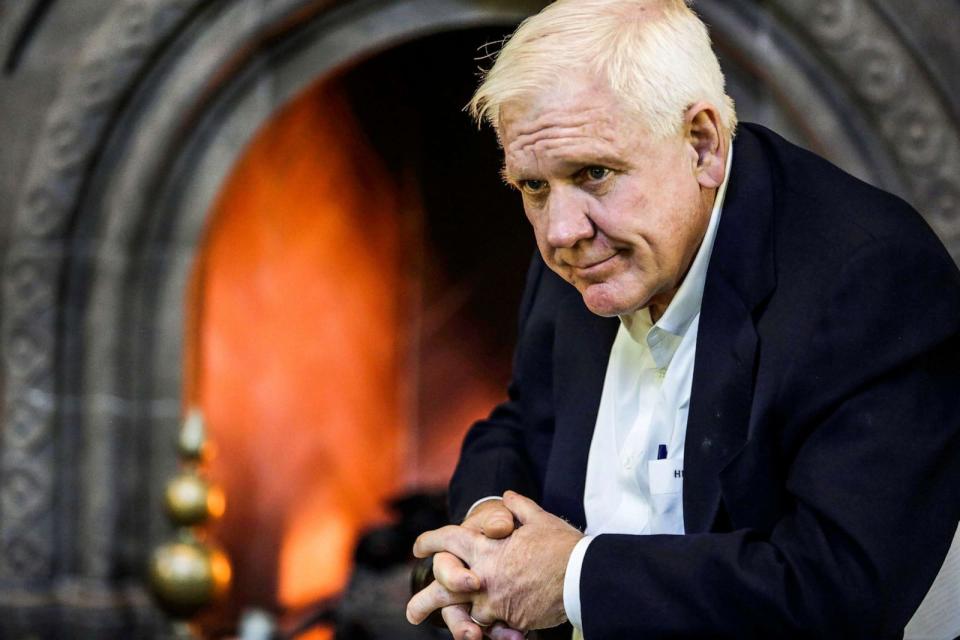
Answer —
666 495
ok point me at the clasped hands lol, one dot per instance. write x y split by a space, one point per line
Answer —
503 567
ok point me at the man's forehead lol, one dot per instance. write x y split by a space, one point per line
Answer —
569 97
575 120
579 127
562 155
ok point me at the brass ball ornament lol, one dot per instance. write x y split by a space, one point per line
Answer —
187 574
191 500
192 443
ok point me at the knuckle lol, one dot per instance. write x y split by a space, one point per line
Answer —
440 597
418 543
483 613
448 585
448 561
439 568
414 614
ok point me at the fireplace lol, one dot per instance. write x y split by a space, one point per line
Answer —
354 302
275 210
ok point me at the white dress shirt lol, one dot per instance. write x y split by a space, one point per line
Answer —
634 480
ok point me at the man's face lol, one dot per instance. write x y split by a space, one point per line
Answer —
617 213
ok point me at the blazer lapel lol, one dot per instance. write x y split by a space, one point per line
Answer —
582 349
740 277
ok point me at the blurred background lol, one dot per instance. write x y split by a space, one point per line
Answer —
275 214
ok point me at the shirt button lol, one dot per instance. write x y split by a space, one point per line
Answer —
661 373
628 462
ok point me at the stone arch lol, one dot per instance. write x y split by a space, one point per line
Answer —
163 99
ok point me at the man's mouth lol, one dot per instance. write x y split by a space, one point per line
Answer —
592 267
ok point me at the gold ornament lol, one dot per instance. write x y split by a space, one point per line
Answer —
192 442
191 500
186 575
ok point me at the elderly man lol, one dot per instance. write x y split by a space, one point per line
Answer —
734 410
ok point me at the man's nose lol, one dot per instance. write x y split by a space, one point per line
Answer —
567 220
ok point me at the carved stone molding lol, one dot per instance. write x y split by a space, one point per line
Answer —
890 85
76 126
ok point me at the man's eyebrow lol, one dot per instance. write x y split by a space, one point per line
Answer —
507 177
611 161
600 160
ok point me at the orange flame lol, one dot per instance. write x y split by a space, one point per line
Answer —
302 301
298 292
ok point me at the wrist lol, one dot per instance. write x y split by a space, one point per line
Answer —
571 582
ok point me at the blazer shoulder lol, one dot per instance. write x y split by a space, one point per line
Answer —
835 236
831 211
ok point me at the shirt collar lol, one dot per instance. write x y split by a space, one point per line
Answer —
664 337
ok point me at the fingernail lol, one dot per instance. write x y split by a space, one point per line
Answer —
472 583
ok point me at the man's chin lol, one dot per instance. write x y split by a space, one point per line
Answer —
601 301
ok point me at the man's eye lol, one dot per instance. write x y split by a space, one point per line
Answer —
532 186
596 173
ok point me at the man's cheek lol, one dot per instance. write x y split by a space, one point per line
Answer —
564 272
547 253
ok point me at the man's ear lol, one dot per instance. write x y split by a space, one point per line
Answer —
704 134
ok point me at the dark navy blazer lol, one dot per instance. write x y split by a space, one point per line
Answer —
822 459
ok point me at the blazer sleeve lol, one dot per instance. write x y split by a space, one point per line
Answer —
872 493
494 456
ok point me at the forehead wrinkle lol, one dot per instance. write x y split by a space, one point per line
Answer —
562 118
554 127
518 165
548 140
558 134
577 144
573 150
591 130
530 121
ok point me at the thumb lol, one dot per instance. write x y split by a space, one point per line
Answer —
525 509
497 521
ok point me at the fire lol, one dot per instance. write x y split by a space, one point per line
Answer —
299 340
331 365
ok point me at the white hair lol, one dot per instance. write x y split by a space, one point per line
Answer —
655 55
